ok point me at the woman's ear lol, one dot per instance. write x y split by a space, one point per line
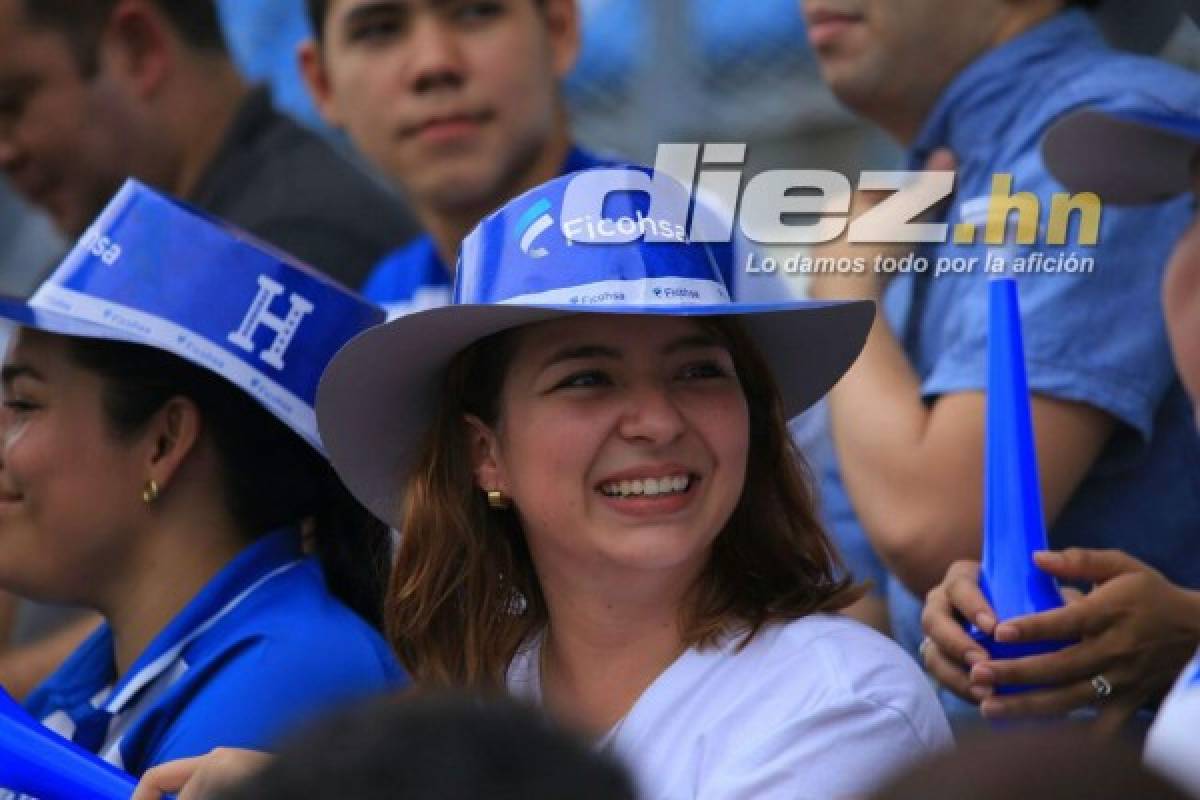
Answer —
172 435
486 462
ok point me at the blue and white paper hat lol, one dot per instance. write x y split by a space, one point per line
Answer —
583 243
155 272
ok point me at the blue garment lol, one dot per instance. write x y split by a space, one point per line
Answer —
262 647
263 36
1095 338
413 277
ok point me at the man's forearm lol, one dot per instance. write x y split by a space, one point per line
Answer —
881 429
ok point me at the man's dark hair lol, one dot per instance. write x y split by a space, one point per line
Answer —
318 9
437 747
81 21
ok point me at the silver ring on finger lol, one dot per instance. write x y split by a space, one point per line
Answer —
1102 687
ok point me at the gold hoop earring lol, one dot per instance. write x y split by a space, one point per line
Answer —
150 492
498 500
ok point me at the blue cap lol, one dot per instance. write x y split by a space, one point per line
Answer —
583 243
1126 157
155 272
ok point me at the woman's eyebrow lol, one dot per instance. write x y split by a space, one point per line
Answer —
11 372
581 351
696 341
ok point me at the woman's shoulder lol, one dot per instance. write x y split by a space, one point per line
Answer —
837 646
296 621
827 661
840 649
822 700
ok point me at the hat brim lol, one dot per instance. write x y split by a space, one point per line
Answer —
377 397
1126 158
17 310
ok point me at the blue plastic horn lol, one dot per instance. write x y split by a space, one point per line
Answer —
36 761
1014 527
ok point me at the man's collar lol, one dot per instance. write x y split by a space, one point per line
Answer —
975 105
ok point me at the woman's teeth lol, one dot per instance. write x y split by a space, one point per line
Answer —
647 487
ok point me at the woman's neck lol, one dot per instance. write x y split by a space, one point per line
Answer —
603 649
179 558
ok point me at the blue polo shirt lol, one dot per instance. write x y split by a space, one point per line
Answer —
263 647
1093 337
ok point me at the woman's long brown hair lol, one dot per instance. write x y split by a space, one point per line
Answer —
464 594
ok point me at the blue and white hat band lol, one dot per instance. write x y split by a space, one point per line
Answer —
613 243
153 271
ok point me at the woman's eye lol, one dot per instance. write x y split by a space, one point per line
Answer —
19 406
702 371
12 103
584 380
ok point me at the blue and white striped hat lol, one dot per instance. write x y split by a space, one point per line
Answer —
155 272
582 243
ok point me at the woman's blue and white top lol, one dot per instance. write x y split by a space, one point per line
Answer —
261 648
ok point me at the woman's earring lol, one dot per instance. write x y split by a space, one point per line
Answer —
498 500
150 492
517 605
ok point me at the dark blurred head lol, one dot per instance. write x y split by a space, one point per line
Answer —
78 82
437 748
1048 764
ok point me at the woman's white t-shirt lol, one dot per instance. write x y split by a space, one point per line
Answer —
821 707
1173 744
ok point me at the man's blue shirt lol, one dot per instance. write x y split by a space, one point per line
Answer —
264 646
1096 338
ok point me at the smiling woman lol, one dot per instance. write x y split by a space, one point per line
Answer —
603 512
187 505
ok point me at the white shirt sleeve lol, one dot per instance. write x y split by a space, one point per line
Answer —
844 750
1173 743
